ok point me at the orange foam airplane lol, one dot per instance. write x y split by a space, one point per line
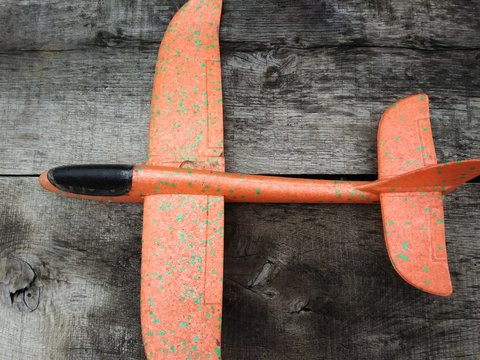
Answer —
183 187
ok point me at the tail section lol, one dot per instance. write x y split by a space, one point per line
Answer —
412 186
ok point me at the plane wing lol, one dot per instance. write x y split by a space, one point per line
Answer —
182 250
182 269
186 120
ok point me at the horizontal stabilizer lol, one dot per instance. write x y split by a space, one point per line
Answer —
405 141
415 238
412 186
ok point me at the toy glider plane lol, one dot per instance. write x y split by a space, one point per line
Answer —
183 187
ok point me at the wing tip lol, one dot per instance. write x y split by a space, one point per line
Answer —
400 104
440 283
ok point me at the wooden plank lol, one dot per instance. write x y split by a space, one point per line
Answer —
304 90
55 25
290 111
316 283
86 288
301 282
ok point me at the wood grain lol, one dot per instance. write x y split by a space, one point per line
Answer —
301 282
87 285
57 25
287 111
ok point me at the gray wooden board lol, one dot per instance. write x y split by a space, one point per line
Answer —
301 282
305 83
58 25
290 111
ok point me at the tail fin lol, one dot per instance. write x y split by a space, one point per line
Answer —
412 187
442 178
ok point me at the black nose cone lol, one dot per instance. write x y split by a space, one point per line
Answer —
94 180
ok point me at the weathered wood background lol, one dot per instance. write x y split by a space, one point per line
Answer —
305 83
